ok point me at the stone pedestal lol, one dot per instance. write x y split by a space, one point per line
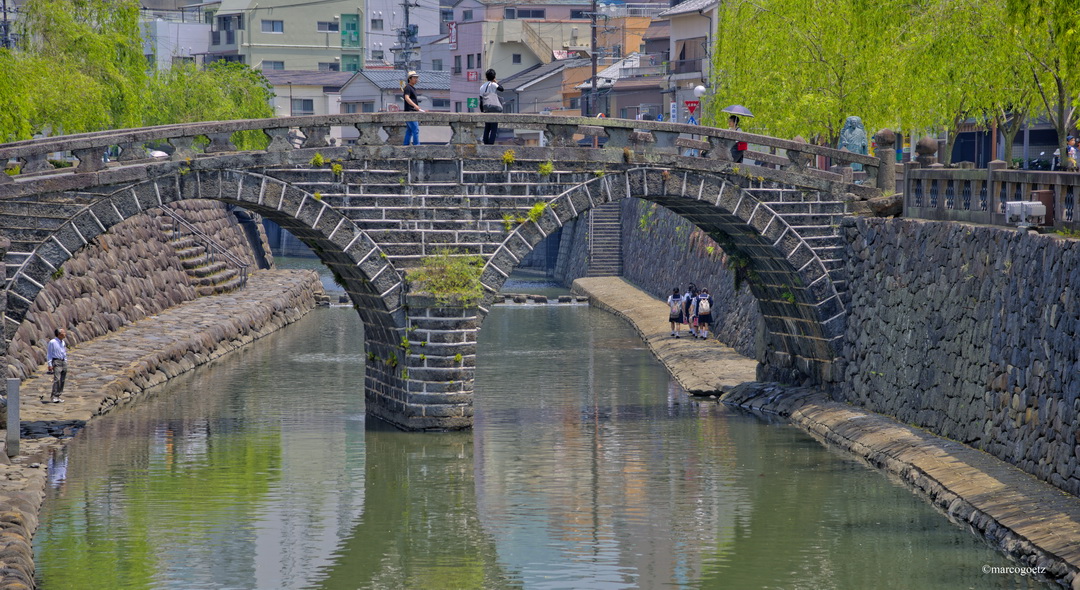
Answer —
424 380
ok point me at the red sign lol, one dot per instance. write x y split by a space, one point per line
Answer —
472 76
451 27
692 105
393 108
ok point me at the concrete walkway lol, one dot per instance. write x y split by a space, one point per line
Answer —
702 367
113 369
1032 521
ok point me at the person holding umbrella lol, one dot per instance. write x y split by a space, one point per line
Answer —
735 111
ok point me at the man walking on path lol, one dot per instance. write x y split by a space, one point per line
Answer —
412 105
56 356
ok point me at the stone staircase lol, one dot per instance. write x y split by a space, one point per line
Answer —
212 269
605 241
816 221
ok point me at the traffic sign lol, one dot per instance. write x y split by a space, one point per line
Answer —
472 102
691 121
692 105
673 116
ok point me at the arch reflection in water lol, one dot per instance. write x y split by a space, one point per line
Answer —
587 468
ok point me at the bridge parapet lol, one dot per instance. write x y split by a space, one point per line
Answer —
191 140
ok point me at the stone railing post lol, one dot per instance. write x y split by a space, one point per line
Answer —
994 182
279 139
886 153
909 185
926 148
368 134
90 159
315 136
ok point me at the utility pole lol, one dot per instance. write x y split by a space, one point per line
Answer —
407 37
592 95
5 29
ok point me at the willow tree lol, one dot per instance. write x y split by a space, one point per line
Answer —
100 41
960 64
1048 32
804 66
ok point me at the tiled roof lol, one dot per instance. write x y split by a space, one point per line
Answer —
392 79
687 7
520 80
307 77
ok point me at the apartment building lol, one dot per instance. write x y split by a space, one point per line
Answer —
286 34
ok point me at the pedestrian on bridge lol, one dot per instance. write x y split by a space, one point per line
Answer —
56 357
490 103
412 105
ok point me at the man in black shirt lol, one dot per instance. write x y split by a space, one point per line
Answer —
412 105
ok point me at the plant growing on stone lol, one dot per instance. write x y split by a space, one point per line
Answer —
336 168
13 170
458 358
536 211
509 157
317 196
508 222
449 276
788 296
599 173
58 273
401 180
546 168
317 160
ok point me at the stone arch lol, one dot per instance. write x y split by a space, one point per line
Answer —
803 309
369 277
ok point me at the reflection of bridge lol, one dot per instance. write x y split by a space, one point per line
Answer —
376 208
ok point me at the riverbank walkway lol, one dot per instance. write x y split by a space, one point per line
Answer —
1032 521
109 371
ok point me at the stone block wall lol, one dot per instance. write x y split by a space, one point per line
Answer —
123 276
972 333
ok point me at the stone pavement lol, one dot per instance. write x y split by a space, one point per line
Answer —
114 369
1034 522
702 367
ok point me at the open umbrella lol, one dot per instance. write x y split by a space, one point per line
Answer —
737 109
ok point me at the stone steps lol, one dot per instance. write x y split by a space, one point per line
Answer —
605 243
209 274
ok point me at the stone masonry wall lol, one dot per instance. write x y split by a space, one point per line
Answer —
662 250
124 275
972 333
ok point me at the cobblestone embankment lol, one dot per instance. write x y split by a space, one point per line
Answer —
1030 520
112 370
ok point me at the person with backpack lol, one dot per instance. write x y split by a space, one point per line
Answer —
704 313
490 103
675 312
689 299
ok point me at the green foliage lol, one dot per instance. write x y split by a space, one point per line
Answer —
13 170
804 66
458 358
449 277
546 168
536 211
509 157
599 173
317 160
317 196
508 222
81 68
1068 233
337 169
58 273
788 296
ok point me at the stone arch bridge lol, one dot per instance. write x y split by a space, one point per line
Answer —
374 209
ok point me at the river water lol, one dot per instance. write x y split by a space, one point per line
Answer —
588 467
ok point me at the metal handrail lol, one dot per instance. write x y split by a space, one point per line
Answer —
210 244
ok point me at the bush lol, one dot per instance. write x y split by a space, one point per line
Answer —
449 277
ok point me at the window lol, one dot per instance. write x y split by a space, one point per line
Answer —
478 66
329 66
273 65
378 54
328 27
376 24
367 107
466 15
447 15
440 103
574 103
273 26
457 106
436 64
511 13
516 58
471 59
303 106
579 15
348 108
457 64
